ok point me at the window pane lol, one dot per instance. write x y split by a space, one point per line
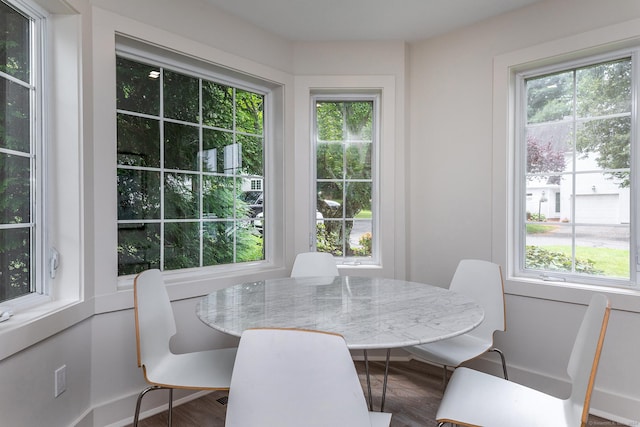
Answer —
213 145
604 89
578 168
218 243
330 236
138 141
138 194
358 199
218 198
181 196
329 160
138 247
361 236
181 147
15 262
14 43
217 105
550 98
15 116
251 155
181 97
249 112
15 191
358 161
181 245
137 87
249 244
604 144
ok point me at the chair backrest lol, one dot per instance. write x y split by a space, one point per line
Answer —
482 281
155 323
292 378
309 264
585 356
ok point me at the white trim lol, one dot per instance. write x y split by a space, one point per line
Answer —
385 85
506 66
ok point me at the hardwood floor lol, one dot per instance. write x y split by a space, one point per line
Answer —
414 391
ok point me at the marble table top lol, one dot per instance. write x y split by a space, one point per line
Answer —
371 313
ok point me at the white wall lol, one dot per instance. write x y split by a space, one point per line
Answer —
457 185
443 93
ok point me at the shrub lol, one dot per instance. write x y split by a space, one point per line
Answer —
543 259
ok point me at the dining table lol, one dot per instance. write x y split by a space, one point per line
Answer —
369 312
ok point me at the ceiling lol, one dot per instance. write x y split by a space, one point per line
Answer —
342 20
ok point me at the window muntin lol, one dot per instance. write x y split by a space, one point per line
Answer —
189 148
345 148
20 142
576 186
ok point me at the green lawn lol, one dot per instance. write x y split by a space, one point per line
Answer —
363 214
614 262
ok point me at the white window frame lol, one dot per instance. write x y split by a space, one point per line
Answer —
505 68
520 169
59 302
134 49
40 275
350 96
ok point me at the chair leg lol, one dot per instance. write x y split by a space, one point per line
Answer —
504 363
139 402
366 369
170 415
444 377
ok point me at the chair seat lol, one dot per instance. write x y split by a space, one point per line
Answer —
452 351
210 369
495 402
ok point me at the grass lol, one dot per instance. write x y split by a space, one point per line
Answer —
539 228
363 214
614 262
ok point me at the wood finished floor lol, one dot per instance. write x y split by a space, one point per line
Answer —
414 391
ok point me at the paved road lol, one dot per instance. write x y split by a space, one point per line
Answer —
599 236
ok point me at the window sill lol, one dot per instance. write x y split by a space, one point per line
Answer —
30 326
624 299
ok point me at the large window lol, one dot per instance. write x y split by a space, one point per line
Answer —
190 168
345 150
576 143
21 201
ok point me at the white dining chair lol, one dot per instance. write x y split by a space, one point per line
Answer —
162 369
482 281
474 398
293 378
308 264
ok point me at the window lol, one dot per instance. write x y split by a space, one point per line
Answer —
345 186
575 145
21 165
190 149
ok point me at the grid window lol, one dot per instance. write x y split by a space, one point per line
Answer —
345 140
188 149
20 186
576 150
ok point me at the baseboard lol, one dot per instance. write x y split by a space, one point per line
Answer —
119 412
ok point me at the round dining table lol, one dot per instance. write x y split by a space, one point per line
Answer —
369 312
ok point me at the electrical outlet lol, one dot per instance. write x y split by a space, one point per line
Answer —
60 380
